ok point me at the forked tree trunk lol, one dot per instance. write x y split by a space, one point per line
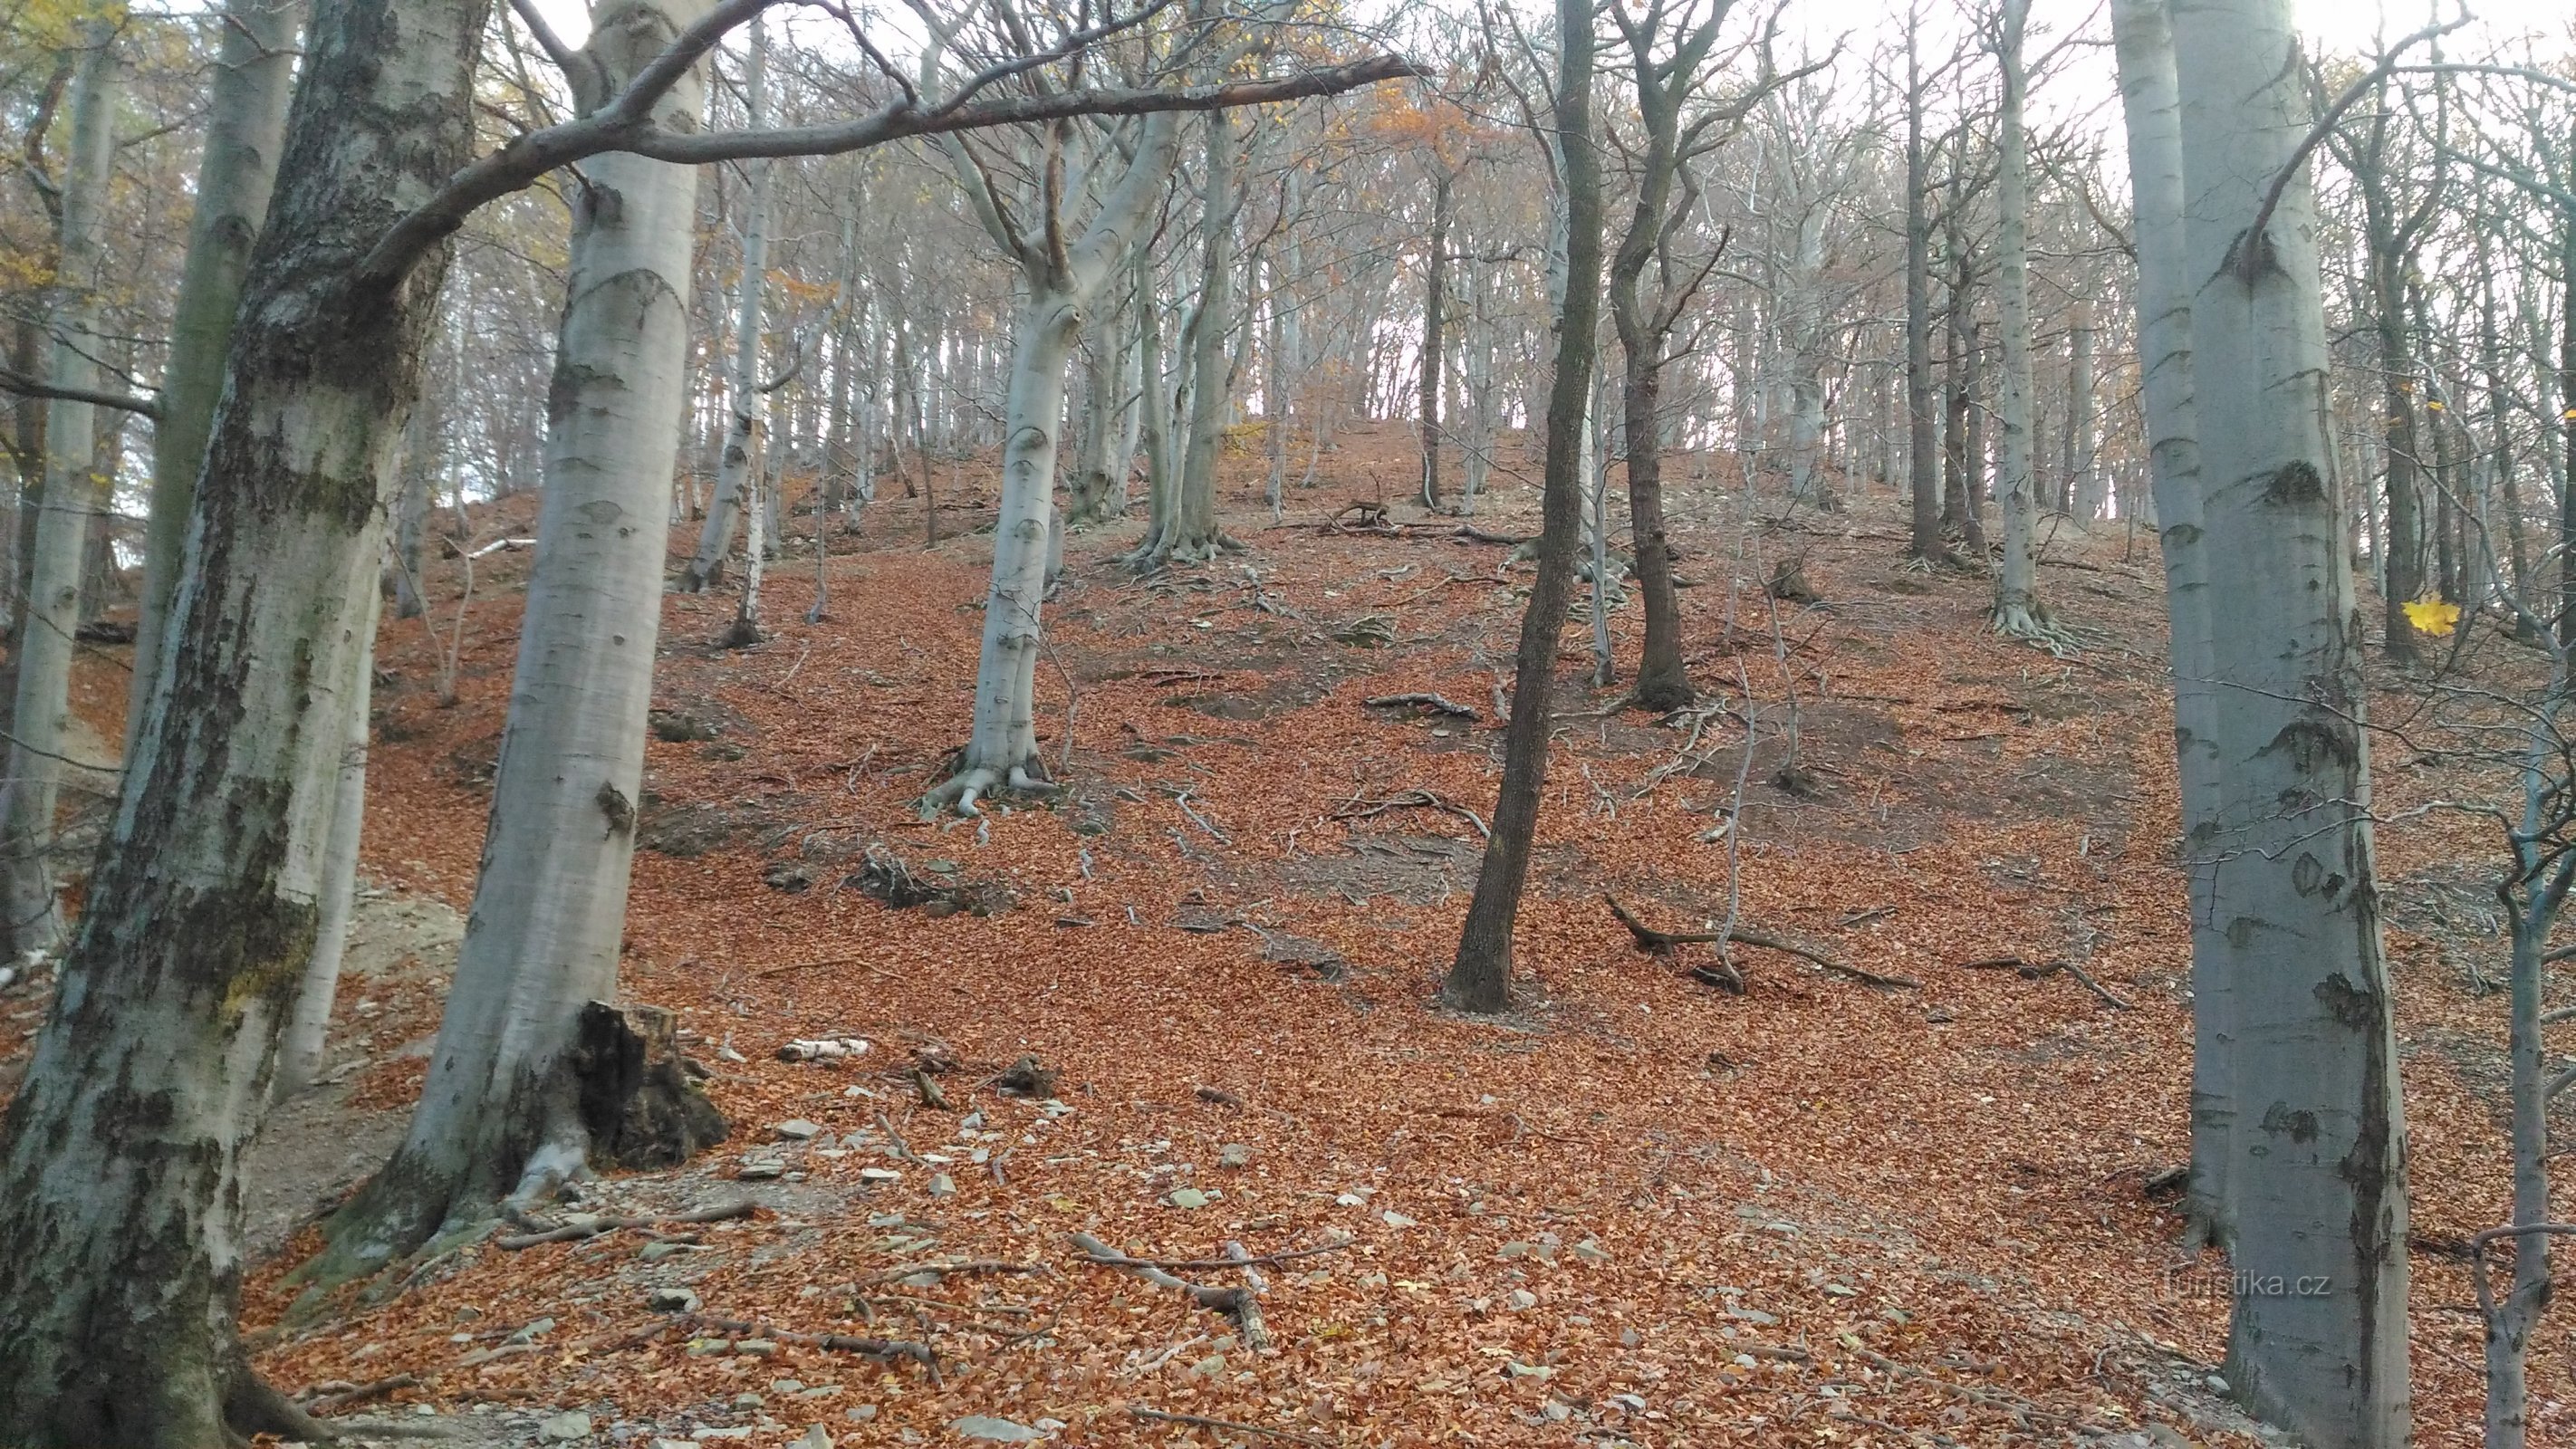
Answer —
2018 612
245 121
1807 338
742 429
116 1311
1191 535
2143 33
1480 975
497 1112
2318 1342
75 490
1002 751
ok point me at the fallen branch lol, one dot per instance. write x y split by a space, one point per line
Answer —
1466 533
1201 1421
1659 942
975 1265
581 1228
1433 702
887 1350
2027 971
1238 1304
359 1394
1265 1260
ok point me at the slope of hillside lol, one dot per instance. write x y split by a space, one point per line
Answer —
1903 1203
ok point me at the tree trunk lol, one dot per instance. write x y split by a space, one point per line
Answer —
119 1176
1480 975
1807 337
499 1110
76 488
2018 611
2083 477
2143 34
2318 1341
308 1028
1923 466
245 121
742 430
1435 302
1191 536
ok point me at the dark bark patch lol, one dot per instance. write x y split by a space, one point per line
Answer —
2352 1007
636 1096
2315 745
2296 484
2299 1126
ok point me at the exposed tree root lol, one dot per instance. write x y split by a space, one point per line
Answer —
2029 971
2026 621
253 1406
962 791
1239 1304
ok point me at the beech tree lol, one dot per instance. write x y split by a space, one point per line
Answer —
2318 1168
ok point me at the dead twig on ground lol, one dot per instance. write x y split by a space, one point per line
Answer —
358 1394
1660 942
2033 971
887 1350
1203 1422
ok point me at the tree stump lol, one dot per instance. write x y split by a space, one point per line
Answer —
637 1098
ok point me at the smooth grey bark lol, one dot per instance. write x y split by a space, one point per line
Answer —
1923 465
1190 535
496 1114
2083 475
120 1155
2318 1340
245 127
75 490
1435 332
308 1026
743 394
2142 32
2018 612
1058 281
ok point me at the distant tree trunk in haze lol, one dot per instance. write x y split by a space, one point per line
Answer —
75 489
1435 304
2143 34
299 1052
245 124
2319 1177
1190 536
742 432
1480 975
1923 464
2018 611
2083 478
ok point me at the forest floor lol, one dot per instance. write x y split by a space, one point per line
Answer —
1640 1210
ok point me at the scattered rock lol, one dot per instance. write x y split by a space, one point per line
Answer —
565 1427
1189 1198
860 1413
993 1430
1394 1219
943 1186
1234 1155
1521 1300
762 1170
797 1129
788 877
671 1300
814 1438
